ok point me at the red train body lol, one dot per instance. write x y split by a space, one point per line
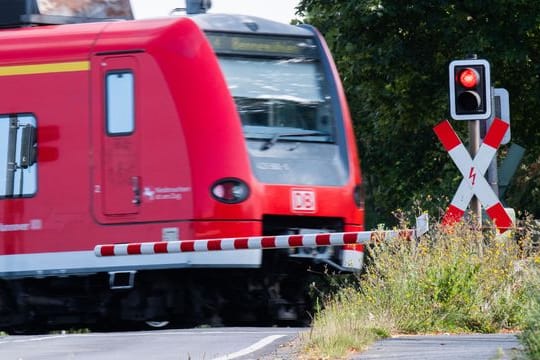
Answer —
131 131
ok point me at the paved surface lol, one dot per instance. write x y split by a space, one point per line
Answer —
194 344
444 347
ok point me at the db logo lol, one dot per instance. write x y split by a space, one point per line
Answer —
303 201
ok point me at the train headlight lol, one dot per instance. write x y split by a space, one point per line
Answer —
230 190
359 195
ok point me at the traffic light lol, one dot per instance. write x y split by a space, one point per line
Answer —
470 90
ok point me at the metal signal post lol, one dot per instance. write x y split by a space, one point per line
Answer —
470 99
474 145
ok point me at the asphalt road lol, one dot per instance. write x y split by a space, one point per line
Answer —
193 344
444 347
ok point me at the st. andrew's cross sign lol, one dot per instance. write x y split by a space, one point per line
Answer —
474 182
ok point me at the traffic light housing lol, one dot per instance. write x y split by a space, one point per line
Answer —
470 89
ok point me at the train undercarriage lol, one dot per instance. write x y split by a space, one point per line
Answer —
159 298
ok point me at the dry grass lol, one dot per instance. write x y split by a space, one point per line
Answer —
451 280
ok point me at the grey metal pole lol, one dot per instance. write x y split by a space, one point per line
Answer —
492 171
493 177
474 145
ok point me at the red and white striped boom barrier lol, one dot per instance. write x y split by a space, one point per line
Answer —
255 242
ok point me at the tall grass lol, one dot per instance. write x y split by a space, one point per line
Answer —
462 280
530 337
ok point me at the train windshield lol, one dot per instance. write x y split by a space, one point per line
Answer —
278 86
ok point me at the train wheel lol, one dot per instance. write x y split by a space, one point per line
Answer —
157 324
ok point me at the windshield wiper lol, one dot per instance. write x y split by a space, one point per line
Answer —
274 139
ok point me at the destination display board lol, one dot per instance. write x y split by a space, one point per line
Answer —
228 43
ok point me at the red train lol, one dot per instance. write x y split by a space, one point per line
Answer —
168 129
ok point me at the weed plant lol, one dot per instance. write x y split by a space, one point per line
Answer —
530 337
456 280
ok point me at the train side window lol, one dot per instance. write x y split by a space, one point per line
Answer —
120 102
18 155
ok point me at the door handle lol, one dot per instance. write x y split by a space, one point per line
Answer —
136 187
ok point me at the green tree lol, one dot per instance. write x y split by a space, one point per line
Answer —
393 57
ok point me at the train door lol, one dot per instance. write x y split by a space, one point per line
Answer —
116 142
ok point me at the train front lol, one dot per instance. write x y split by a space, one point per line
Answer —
298 132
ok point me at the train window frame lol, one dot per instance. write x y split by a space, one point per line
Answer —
119 108
24 182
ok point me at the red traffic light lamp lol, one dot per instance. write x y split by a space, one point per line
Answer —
468 78
470 89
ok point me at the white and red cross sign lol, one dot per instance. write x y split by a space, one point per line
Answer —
474 182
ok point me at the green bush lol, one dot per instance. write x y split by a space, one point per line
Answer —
393 58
